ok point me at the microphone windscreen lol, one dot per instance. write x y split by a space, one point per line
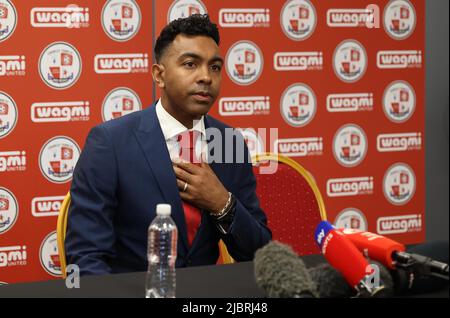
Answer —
281 273
386 280
341 253
330 283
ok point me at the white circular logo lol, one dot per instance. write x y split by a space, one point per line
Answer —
253 140
244 62
9 210
350 145
8 114
298 19
350 61
119 102
185 8
298 105
121 19
399 19
351 218
399 184
58 158
49 256
60 65
399 101
8 19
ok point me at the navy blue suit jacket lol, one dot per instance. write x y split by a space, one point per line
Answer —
123 172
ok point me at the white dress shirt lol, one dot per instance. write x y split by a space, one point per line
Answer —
171 128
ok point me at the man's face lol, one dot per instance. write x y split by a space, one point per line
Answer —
191 75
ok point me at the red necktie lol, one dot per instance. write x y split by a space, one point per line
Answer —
192 214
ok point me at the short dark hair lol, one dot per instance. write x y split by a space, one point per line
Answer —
197 24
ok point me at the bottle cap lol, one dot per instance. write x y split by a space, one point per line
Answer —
163 209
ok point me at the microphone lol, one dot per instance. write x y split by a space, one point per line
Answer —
281 273
408 267
393 255
375 246
347 259
437 250
331 284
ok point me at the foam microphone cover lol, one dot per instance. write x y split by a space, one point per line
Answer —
341 253
377 247
331 284
281 273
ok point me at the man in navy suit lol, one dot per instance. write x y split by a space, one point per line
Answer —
131 164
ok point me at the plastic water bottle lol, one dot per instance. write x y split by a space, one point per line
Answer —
161 255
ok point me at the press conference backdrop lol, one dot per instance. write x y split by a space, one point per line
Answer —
343 81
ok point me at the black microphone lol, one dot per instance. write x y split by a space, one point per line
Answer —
429 263
420 269
281 273
331 283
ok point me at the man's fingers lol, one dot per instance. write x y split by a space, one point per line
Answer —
181 174
185 196
189 167
181 184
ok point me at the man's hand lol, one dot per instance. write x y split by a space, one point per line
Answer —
204 190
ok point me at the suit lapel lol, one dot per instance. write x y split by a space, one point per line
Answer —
214 165
151 139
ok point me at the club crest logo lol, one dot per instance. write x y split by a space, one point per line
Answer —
8 114
399 19
49 256
351 218
298 105
60 65
244 63
350 145
399 101
9 210
253 140
298 19
184 9
8 19
121 19
58 158
399 184
119 102
350 61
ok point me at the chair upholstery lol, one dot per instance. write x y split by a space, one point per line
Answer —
292 202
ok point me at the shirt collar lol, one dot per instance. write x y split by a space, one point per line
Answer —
172 127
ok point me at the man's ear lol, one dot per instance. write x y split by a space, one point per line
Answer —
158 75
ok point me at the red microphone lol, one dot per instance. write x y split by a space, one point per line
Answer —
375 246
346 258
392 254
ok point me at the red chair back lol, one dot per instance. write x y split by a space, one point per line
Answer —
292 202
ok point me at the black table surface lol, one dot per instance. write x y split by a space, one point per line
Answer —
215 281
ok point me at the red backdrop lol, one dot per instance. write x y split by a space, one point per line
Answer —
342 82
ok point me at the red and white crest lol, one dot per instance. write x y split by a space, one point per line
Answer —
60 65
8 19
121 19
